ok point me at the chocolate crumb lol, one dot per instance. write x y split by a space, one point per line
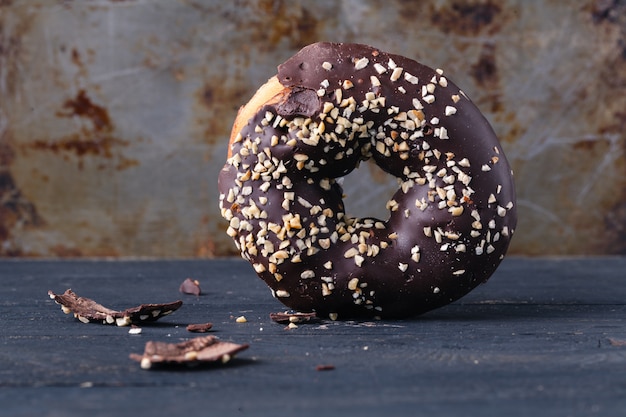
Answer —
325 367
87 310
199 327
190 286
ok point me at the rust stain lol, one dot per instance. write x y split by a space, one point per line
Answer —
95 138
218 107
464 20
615 216
63 251
618 125
307 28
99 146
205 248
609 16
606 10
77 59
468 17
615 222
283 20
6 152
485 70
11 45
82 106
485 74
15 212
606 222
511 129
585 145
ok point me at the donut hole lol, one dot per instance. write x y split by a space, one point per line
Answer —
367 190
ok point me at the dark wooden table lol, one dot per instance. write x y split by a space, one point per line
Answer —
545 337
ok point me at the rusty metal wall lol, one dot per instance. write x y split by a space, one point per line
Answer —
114 115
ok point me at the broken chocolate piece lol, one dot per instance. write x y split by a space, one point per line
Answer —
199 327
190 286
617 342
288 317
87 310
203 349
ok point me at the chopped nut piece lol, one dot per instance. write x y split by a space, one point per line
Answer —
361 63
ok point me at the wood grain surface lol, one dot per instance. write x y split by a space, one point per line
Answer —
545 337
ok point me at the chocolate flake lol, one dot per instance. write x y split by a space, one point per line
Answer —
617 342
87 310
199 327
203 349
190 286
325 367
288 317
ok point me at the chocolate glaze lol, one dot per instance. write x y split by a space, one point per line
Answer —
450 221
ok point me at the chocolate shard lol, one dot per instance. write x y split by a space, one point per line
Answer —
617 342
199 327
87 310
292 317
205 349
190 286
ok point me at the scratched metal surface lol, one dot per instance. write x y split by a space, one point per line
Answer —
114 115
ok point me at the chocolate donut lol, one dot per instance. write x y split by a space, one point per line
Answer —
330 107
